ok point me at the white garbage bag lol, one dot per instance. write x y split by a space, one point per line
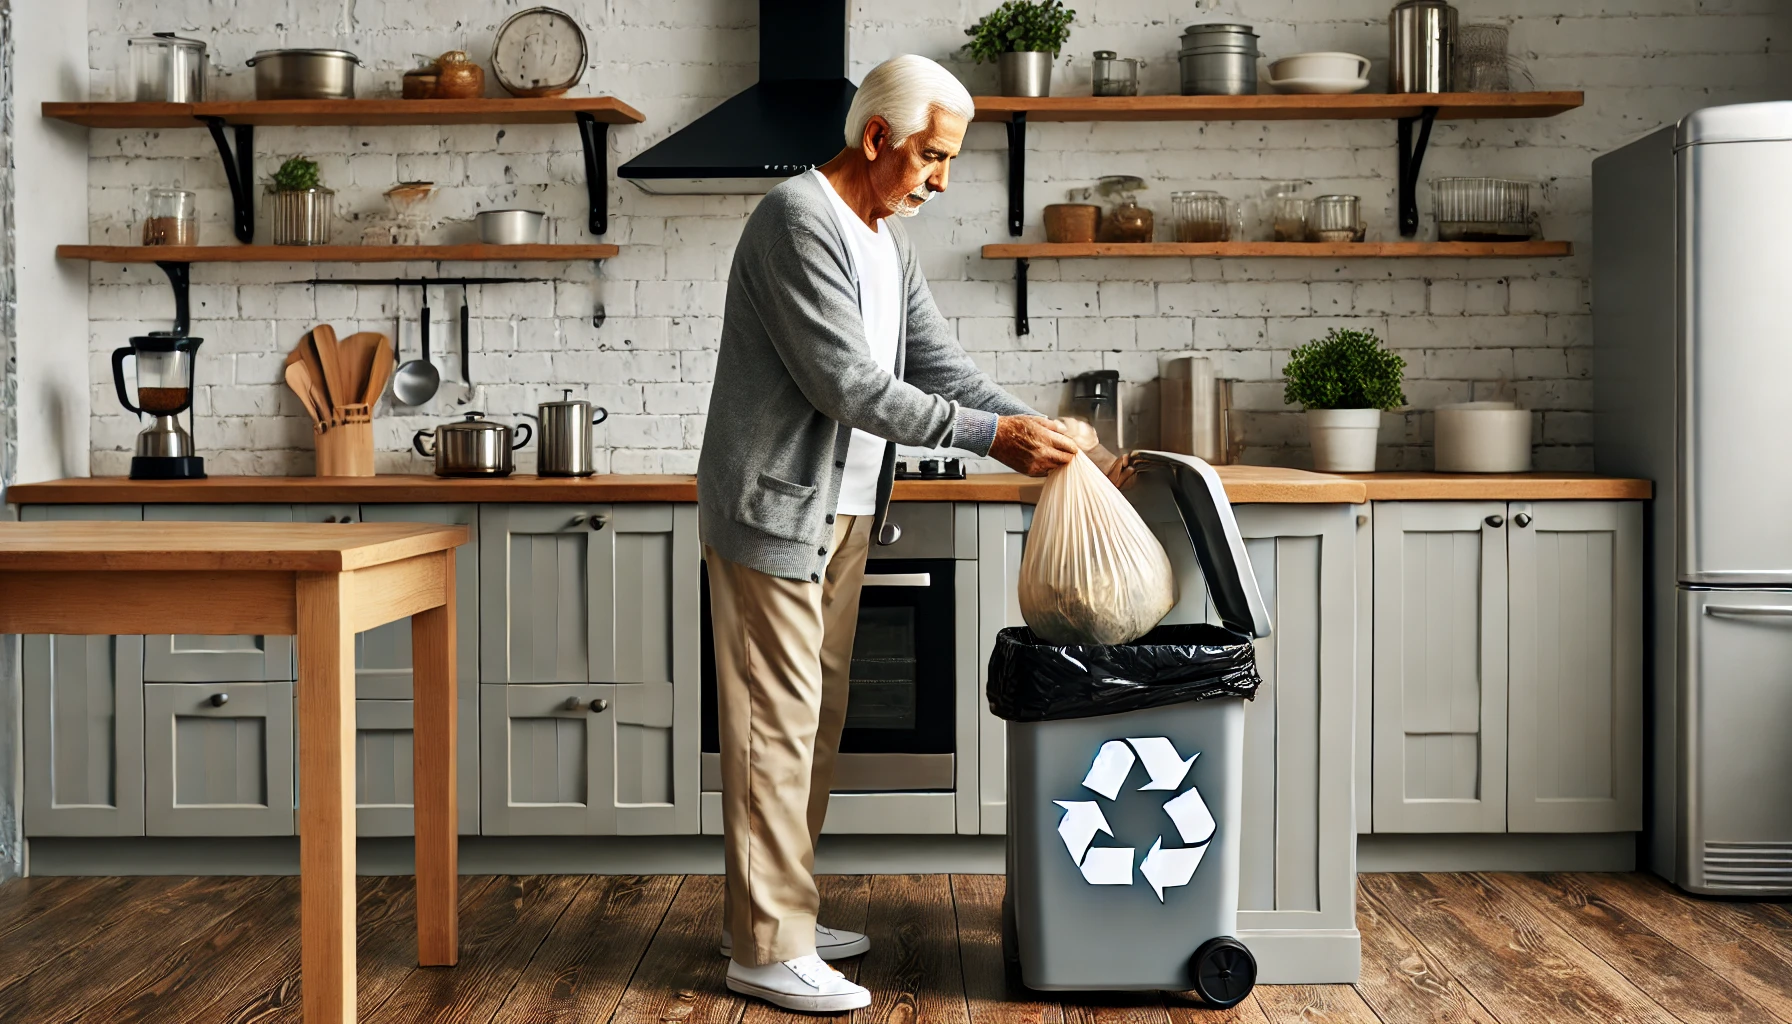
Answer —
1092 572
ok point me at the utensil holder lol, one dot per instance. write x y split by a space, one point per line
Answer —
346 449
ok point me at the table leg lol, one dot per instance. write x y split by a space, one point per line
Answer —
434 772
326 735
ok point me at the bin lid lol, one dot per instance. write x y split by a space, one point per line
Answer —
1213 533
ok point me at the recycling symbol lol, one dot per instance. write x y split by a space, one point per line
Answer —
1163 867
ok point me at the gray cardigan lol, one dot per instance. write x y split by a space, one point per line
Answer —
795 375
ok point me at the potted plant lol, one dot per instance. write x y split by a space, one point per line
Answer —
303 207
1345 380
1022 37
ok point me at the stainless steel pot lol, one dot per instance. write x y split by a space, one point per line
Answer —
1421 46
472 447
566 447
305 74
510 227
1218 60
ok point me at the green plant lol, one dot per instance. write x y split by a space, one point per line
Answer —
1020 26
297 175
1344 370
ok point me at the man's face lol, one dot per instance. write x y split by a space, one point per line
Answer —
907 175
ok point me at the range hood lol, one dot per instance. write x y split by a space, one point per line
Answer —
787 123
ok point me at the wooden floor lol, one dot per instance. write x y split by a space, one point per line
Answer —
1516 949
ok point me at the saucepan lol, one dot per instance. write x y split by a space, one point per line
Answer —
471 447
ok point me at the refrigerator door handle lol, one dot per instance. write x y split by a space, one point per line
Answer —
1768 611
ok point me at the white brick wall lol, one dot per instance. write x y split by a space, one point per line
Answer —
1468 329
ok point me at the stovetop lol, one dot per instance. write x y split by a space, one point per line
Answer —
930 469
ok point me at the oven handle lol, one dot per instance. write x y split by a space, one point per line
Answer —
899 579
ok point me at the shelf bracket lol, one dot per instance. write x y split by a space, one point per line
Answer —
1412 157
1017 174
1020 297
239 168
179 278
595 136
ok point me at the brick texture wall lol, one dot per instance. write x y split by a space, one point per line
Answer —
1467 328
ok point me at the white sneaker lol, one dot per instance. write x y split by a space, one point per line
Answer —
830 943
806 984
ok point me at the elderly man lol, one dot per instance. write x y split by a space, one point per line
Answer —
831 349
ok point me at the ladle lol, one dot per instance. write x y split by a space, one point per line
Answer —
417 380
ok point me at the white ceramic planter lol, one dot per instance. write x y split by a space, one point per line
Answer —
1343 439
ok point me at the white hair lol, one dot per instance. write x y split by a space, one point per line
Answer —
905 91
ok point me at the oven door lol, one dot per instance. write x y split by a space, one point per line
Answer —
900 729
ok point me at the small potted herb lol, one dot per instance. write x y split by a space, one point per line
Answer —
1345 380
1022 37
303 207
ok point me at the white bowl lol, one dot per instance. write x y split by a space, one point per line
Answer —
1483 437
1332 86
1324 67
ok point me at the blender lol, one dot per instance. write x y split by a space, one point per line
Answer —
164 391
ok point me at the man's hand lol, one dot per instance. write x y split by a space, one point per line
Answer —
1031 445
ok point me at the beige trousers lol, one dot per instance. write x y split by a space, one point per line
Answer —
783 652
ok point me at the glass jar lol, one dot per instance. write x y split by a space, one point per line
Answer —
173 217
1124 220
1203 216
1482 209
1115 75
167 69
1283 211
1335 219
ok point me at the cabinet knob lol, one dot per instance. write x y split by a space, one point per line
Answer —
1523 519
596 522
1495 521
572 704
329 519
220 699
599 706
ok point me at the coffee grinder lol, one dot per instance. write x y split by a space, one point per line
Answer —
164 390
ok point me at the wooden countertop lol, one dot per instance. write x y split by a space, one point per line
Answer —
1500 487
220 547
1245 485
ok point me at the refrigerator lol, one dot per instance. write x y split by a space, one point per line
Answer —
1692 380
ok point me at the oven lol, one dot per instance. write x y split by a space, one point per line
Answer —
901 727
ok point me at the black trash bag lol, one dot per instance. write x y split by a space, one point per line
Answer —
1031 681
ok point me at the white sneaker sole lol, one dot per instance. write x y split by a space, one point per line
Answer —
837 951
803 1004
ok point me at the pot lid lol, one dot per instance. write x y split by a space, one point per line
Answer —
1217 28
474 421
265 54
167 39
165 341
567 402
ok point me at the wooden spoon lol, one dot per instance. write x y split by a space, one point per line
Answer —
357 364
314 368
299 379
323 337
379 371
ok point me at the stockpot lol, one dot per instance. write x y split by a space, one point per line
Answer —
566 448
471 447
305 74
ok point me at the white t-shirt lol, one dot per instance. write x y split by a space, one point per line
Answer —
881 304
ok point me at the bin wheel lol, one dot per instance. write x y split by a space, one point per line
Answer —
1224 971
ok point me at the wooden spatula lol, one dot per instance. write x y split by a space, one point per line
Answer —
379 370
323 336
299 379
357 363
314 369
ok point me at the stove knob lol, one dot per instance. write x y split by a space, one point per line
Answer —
955 468
930 469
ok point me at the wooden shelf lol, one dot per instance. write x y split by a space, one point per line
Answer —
1310 250
355 113
1355 106
332 253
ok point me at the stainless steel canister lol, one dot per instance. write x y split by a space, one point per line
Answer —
1421 46
1219 60
167 69
565 433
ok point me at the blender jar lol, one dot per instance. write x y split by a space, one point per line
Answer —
164 373
167 69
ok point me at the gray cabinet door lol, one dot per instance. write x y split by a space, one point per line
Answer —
1001 535
1575 755
645 619
383 775
383 655
214 659
547 759
83 735
83 738
218 767
1440 666
1297 871
536 616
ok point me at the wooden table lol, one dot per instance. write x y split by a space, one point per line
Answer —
322 583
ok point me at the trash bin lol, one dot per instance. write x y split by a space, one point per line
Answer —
1125 766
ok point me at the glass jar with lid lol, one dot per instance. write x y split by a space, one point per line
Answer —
173 217
1114 75
167 69
1203 216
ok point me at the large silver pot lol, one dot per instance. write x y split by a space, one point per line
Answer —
566 448
305 74
472 447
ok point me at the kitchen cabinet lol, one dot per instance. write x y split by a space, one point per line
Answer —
215 659
1440 666
383 654
1507 679
83 704
218 759
589 759
383 776
1001 536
